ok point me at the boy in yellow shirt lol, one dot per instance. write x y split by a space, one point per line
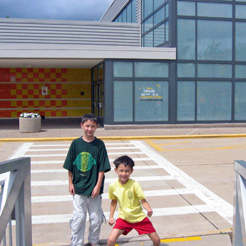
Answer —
128 193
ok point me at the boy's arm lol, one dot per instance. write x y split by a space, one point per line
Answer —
70 183
97 188
113 206
147 207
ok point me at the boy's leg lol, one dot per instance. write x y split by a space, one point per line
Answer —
155 238
96 218
77 223
115 233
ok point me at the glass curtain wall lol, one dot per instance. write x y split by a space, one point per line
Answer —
155 23
207 90
141 91
128 13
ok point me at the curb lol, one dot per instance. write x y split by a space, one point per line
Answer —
126 137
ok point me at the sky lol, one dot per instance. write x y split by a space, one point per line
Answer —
90 10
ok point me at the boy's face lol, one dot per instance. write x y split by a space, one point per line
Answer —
124 173
89 127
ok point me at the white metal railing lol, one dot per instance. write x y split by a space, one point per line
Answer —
15 202
239 226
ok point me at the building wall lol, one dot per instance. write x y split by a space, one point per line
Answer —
50 92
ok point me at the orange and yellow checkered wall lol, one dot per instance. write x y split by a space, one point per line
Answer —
50 92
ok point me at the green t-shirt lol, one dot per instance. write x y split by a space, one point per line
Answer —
85 160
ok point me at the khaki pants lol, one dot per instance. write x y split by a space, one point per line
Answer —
81 205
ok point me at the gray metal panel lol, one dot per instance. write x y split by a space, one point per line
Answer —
114 9
69 32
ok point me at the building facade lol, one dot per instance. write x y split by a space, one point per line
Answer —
145 62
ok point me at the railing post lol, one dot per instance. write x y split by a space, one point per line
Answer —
16 195
239 226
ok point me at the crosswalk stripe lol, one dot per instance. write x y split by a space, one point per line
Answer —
150 193
61 170
54 150
108 180
64 218
64 155
62 161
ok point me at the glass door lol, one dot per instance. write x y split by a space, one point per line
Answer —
98 101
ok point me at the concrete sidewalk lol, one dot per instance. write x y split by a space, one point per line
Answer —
68 129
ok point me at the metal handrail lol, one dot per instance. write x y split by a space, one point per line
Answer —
15 201
239 226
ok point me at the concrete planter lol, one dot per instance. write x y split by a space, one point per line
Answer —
30 124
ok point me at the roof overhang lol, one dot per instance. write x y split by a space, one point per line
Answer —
75 56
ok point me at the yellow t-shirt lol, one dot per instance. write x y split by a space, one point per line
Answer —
128 196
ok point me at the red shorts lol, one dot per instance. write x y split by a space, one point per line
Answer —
142 227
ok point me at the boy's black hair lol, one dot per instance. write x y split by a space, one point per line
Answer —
125 160
86 117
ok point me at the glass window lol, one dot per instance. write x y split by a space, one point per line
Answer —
186 8
186 39
148 24
214 70
123 69
123 101
167 30
214 40
158 3
151 101
159 35
129 13
148 39
186 70
214 101
186 101
134 11
241 11
240 101
240 41
100 72
240 71
159 16
167 10
151 69
214 10
147 7
124 15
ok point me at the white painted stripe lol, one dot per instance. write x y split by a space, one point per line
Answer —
108 180
47 162
149 193
63 155
65 171
67 145
62 161
214 202
20 152
54 150
64 218
47 150
49 171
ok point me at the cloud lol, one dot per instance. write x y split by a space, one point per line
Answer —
54 9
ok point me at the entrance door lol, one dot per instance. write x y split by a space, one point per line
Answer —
98 101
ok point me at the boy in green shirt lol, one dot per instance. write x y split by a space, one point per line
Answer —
128 193
86 162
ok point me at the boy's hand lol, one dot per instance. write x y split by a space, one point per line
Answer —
111 221
95 191
149 212
71 189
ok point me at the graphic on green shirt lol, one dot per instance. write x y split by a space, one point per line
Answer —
84 161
